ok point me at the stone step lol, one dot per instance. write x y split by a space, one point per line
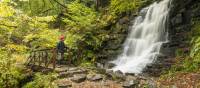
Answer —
63 83
78 78
71 72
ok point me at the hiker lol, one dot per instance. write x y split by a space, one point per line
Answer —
61 48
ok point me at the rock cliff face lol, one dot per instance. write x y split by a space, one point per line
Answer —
181 17
118 32
182 13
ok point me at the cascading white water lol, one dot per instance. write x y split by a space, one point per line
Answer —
146 36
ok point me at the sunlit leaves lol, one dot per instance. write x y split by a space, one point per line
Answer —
44 38
5 10
9 73
42 7
72 39
195 52
80 16
119 6
42 81
16 48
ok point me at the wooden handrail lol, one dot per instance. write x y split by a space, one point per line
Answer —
46 56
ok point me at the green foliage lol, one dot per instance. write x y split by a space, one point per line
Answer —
195 52
44 38
84 34
19 28
9 74
29 24
6 13
42 81
86 63
194 63
179 52
16 48
191 65
5 10
41 7
191 62
120 6
80 16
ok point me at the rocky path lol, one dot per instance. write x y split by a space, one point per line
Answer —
78 77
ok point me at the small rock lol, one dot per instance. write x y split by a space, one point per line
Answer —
62 69
109 65
89 77
124 20
131 78
132 74
109 73
119 74
173 86
130 84
99 65
63 74
79 78
73 69
77 71
63 83
101 70
95 77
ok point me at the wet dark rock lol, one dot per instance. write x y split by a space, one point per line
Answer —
177 19
132 74
118 74
114 44
109 65
143 12
101 70
124 20
78 78
109 73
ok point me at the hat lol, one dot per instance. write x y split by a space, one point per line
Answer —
62 37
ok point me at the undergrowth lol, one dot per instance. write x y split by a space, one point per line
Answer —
187 62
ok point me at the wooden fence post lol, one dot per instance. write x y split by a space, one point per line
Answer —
34 58
39 58
46 58
54 57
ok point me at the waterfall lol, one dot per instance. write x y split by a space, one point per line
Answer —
143 44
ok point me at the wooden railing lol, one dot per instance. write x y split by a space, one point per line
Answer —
43 57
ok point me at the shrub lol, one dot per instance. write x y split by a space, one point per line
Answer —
42 81
120 6
9 73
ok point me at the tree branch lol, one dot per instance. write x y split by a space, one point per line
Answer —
60 4
8 25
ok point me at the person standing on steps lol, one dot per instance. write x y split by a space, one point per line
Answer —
61 48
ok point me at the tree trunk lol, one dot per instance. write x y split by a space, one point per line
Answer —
97 2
